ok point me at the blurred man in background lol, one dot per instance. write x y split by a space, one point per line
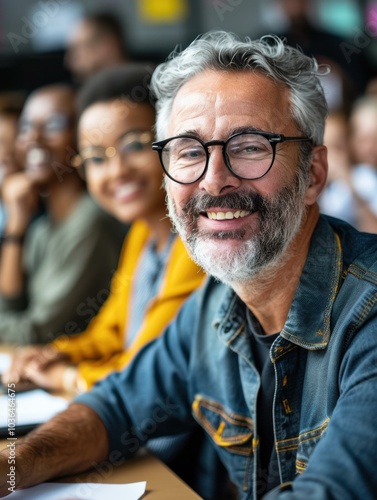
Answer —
95 43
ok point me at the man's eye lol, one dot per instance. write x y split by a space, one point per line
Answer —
194 153
24 127
56 124
191 154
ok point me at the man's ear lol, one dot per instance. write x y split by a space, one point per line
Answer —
317 174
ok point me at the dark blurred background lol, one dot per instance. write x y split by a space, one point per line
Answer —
34 33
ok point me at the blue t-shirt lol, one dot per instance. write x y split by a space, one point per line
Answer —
148 278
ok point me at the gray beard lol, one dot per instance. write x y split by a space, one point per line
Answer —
280 219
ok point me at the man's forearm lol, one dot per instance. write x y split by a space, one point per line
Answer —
70 442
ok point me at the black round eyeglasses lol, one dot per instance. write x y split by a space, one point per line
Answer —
248 155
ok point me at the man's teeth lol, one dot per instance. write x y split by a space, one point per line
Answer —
36 156
227 215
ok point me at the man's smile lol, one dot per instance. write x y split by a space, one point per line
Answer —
221 215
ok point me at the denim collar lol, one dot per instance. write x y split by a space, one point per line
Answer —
308 321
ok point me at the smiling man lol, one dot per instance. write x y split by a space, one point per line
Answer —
239 214
275 357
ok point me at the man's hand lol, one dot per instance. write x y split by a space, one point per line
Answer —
64 445
20 198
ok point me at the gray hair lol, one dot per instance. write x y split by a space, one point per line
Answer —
219 50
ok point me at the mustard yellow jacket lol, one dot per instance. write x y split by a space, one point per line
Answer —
100 348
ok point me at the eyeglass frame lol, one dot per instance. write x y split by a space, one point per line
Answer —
272 138
111 151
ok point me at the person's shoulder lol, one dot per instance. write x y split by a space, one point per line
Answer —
139 230
88 211
358 248
88 216
39 228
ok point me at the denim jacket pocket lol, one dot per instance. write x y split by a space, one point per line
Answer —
227 429
307 441
233 436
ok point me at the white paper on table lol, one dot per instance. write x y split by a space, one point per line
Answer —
81 491
5 360
32 407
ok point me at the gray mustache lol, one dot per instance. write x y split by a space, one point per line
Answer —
251 202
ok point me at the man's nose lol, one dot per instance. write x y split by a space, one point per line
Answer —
36 133
218 179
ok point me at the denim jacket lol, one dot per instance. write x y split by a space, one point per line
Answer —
201 371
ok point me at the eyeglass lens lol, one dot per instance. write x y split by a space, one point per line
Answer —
54 124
